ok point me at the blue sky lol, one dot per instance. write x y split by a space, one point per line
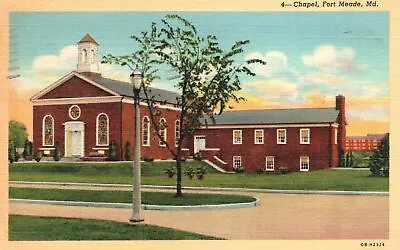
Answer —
311 56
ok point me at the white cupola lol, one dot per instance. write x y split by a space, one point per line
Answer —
87 55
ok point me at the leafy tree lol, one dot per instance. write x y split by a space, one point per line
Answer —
17 133
379 161
11 151
27 148
207 76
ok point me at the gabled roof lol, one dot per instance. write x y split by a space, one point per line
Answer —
88 39
367 137
126 89
114 87
276 116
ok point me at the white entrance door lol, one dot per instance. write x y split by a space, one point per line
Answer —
76 143
74 139
199 143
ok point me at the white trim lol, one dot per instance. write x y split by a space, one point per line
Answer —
81 126
66 78
336 136
211 149
185 149
308 161
78 100
277 136
52 131
143 103
69 112
179 131
97 130
99 148
233 161
161 144
309 135
273 163
148 132
255 136
218 159
46 148
233 137
268 126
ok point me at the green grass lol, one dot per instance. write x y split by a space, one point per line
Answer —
153 173
150 198
29 228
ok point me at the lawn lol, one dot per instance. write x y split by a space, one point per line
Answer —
29 228
149 198
153 174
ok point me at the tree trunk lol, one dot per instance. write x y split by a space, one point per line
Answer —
179 172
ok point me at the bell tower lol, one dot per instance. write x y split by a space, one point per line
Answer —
87 56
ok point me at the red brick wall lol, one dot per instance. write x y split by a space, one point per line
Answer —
75 87
287 155
154 150
89 114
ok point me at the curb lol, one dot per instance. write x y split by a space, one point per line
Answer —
143 206
253 190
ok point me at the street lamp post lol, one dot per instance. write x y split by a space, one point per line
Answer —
136 80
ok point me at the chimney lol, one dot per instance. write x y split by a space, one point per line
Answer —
341 120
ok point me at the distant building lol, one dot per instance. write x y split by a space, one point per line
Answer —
370 142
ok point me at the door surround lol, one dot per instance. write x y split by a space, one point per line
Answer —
74 126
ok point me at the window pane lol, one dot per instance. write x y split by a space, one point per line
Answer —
102 130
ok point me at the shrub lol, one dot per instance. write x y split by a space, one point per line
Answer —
148 159
283 170
189 172
112 152
197 156
57 154
260 170
170 172
127 151
239 169
17 156
38 156
200 172
27 149
379 161
11 151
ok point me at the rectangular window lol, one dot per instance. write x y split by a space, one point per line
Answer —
281 136
269 163
237 136
305 136
304 163
259 136
335 135
237 161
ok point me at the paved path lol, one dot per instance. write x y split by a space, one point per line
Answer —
279 216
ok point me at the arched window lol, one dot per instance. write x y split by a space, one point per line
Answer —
84 55
102 130
177 132
92 56
48 131
163 132
146 131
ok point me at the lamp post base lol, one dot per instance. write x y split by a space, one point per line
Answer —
135 221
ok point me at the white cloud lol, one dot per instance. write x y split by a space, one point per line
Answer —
331 59
277 65
275 89
65 60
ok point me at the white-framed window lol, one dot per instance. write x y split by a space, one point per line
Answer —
305 136
237 136
74 112
269 163
163 132
304 163
258 136
48 131
336 135
177 132
281 136
237 162
102 130
146 131
84 55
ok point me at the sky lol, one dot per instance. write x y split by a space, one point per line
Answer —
311 56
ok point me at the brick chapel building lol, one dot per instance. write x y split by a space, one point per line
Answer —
84 112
